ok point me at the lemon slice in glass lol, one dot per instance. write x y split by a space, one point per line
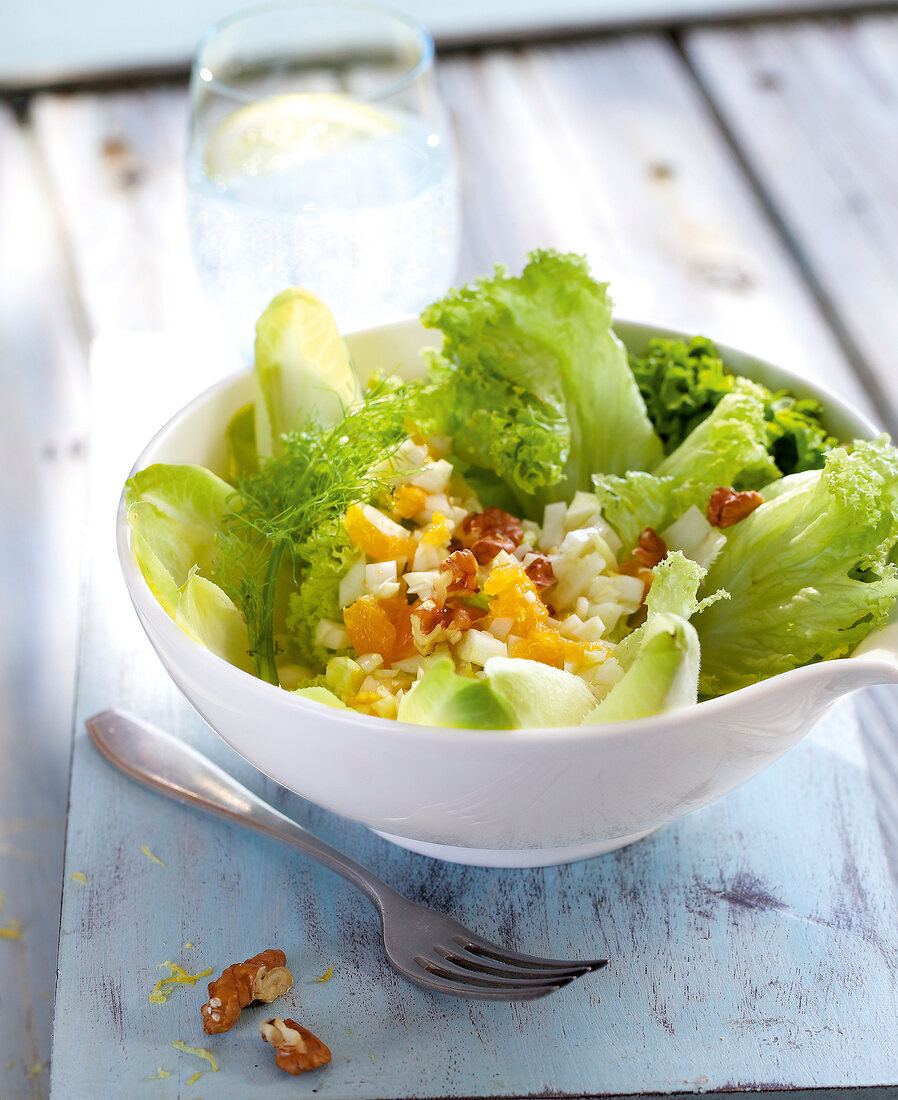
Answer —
284 132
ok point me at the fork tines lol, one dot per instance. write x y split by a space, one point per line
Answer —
486 970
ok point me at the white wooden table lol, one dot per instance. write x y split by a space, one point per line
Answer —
738 181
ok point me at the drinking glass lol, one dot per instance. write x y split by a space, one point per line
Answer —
320 156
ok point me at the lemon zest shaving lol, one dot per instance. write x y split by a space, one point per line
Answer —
178 976
195 1077
79 876
159 1074
146 851
327 975
35 1070
187 946
12 931
178 1044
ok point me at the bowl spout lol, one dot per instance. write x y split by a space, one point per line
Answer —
877 657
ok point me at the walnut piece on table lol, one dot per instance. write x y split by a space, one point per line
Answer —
296 1050
263 978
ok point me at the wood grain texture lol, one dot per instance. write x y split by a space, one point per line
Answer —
117 163
42 448
812 106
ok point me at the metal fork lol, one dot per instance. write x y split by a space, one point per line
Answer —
425 946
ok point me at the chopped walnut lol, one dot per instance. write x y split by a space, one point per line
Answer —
463 567
296 1049
651 548
432 624
492 522
261 978
485 549
727 507
539 570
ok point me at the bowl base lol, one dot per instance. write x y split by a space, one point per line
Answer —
514 857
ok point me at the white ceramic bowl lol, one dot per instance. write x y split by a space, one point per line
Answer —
515 798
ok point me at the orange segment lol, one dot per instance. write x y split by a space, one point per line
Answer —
380 626
376 535
400 615
513 595
409 500
550 648
437 532
369 628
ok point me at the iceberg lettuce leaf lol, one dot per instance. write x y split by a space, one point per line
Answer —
727 448
808 571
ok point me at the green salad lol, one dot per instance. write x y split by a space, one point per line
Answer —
543 530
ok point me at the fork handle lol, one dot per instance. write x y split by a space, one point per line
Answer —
155 758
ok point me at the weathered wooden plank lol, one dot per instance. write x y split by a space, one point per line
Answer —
608 148
740 937
117 162
813 107
42 380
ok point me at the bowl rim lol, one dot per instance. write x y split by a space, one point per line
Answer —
146 604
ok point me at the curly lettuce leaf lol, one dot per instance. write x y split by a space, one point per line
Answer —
533 383
675 585
729 447
808 571
682 383
322 562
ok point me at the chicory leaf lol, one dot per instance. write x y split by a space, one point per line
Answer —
663 674
175 513
444 698
210 618
539 694
302 368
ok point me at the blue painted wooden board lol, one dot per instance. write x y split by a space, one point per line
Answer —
753 944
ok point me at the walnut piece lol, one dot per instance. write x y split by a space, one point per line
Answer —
651 548
539 570
462 565
432 624
727 507
296 1049
485 549
261 978
492 522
